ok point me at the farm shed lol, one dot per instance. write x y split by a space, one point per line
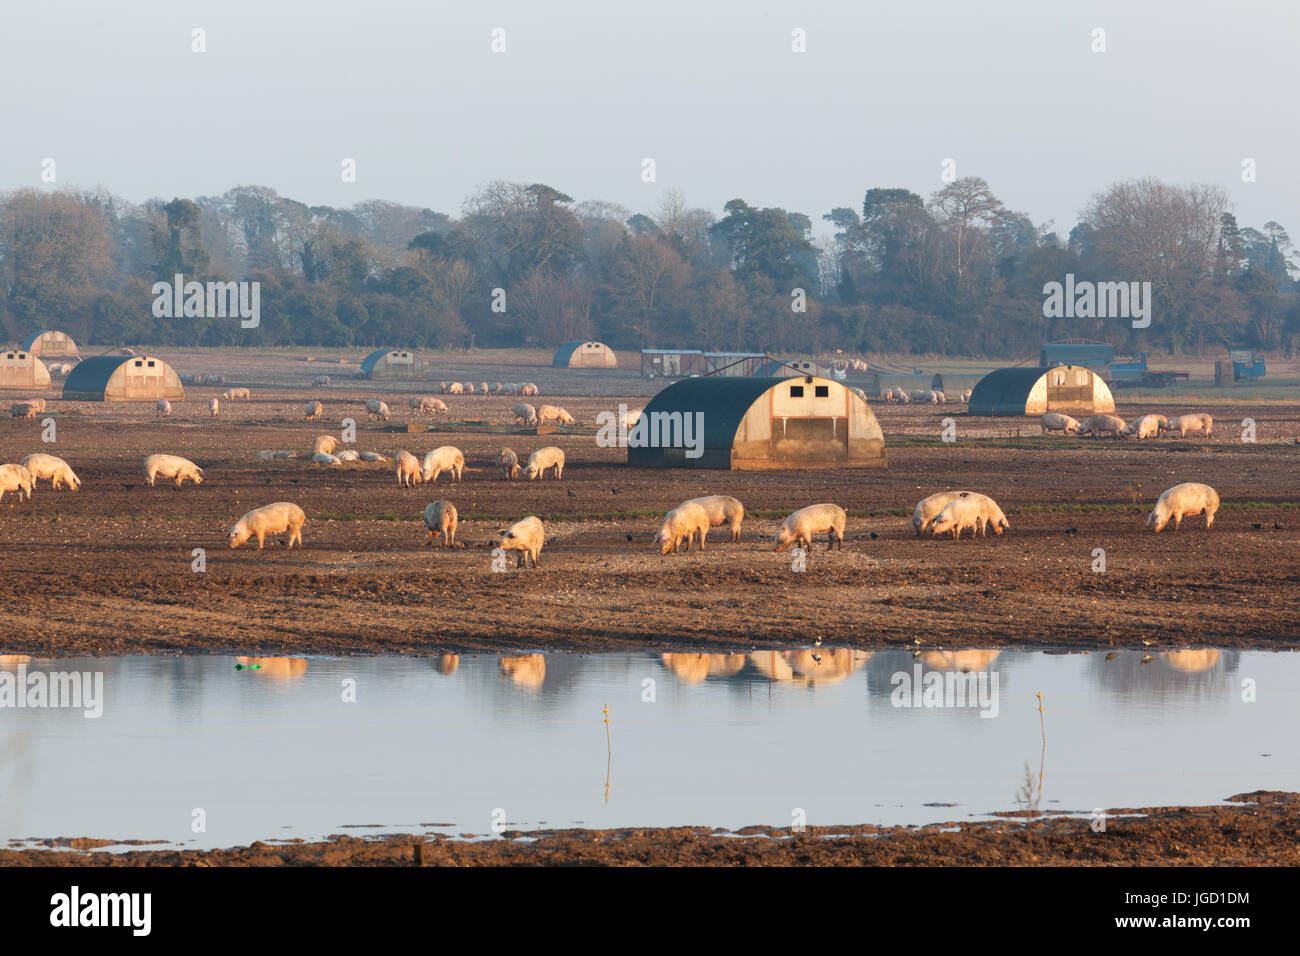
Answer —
51 344
20 368
391 363
749 423
953 384
122 378
1070 389
579 354
673 362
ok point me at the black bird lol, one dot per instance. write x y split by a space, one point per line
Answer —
1257 526
1071 530
1277 526
874 536
629 537
569 493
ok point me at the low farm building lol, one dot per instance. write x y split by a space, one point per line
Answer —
579 354
1069 389
52 344
20 368
123 378
392 363
726 422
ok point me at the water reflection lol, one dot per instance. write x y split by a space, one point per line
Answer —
286 669
526 670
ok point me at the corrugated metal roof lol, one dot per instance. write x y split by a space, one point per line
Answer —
92 374
1004 391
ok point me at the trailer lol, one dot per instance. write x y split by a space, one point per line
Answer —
1135 374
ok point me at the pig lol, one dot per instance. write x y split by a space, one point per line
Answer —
56 470
543 460
324 445
525 414
1195 423
508 462
723 509
1143 427
1184 501
16 478
526 537
800 527
214 406
927 509
683 523
991 516
408 470
171 466
957 516
1100 425
440 518
377 409
233 393
164 407
446 458
548 413
1055 422
313 411
321 380
269 519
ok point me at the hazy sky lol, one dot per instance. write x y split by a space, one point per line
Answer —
709 89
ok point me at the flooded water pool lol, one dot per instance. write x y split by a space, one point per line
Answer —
219 751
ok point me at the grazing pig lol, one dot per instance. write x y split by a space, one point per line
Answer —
1184 501
314 411
377 409
526 537
1055 422
269 519
549 413
543 460
1143 427
440 518
525 414
469 388
958 515
427 403
24 410
164 407
324 459
447 458
171 466
16 478
528 388
498 389
939 397
1191 424
455 388
1100 425
408 470
902 397
723 509
324 445
37 403
234 393
800 527
965 396
56 470
683 523
483 387
991 516
927 509
321 380
508 462
214 406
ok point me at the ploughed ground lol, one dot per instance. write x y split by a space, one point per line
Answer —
1255 829
109 570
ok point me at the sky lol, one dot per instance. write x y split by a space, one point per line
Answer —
712 91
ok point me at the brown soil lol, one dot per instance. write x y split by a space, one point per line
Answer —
108 570
1261 829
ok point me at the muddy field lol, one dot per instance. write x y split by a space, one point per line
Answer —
108 570
1256 829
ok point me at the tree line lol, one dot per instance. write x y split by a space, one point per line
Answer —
525 264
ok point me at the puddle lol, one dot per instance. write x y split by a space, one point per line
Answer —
274 752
